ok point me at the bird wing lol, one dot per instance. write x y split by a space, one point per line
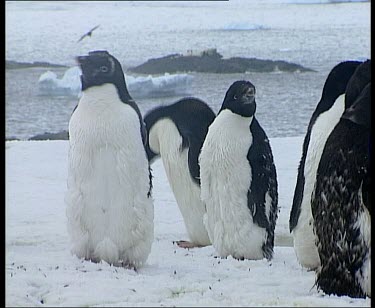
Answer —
88 33
96 27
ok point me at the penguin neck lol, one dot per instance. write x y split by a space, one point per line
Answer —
234 119
105 92
123 92
101 95
328 103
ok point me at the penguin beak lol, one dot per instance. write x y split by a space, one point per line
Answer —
249 96
249 99
249 105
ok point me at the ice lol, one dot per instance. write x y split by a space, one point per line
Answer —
41 271
150 86
159 86
68 85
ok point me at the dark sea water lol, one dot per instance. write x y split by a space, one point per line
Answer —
285 101
317 36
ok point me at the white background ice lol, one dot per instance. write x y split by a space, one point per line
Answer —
140 86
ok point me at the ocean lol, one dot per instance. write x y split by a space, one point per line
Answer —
315 34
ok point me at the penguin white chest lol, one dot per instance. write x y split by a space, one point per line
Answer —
109 212
164 138
303 234
225 182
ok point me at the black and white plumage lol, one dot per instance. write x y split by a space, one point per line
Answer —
176 133
109 205
323 120
238 179
340 204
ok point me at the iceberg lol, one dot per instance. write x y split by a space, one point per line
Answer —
68 85
160 86
139 87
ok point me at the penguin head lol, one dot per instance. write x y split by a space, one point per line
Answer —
358 81
98 68
336 83
240 98
360 110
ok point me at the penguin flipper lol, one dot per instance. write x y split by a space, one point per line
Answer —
193 156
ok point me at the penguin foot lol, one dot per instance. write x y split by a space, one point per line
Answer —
239 258
186 244
219 257
129 266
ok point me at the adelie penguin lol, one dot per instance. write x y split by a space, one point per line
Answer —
176 133
326 115
109 205
238 179
341 201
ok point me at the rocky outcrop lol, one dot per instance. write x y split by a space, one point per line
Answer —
63 135
212 62
9 64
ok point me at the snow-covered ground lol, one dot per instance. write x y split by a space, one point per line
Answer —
41 271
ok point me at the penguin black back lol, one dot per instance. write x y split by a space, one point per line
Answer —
265 179
192 118
355 86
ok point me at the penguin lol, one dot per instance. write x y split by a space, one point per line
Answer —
238 179
340 204
326 115
110 213
176 133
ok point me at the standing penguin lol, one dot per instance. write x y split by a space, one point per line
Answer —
238 179
326 115
340 204
109 205
176 133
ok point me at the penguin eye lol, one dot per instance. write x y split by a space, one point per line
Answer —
104 69
235 97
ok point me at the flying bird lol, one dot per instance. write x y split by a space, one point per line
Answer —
88 33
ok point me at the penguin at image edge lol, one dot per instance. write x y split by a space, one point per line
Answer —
341 201
238 179
109 205
176 133
326 115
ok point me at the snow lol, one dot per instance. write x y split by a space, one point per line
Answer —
40 269
140 86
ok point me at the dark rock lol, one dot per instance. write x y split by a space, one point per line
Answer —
11 139
212 62
9 64
63 135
